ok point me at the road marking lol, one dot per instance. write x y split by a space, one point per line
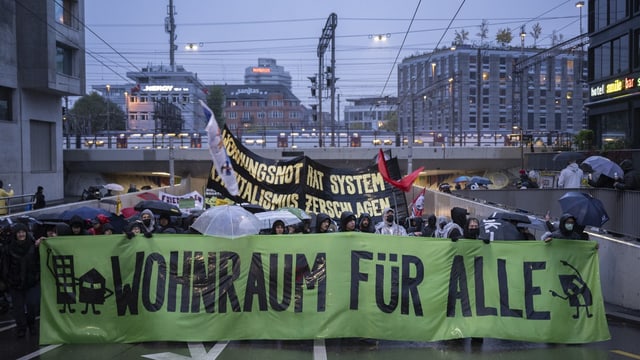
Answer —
319 350
40 352
624 353
196 351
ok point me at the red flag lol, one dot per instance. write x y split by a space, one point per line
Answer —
417 205
403 184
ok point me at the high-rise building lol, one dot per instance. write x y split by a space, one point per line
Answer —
267 73
614 72
41 61
468 92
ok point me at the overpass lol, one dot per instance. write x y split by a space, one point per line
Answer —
196 162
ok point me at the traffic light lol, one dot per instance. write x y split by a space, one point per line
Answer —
313 85
314 112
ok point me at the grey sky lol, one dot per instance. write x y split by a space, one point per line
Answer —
234 34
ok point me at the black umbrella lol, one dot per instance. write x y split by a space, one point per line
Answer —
480 180
158 207
584 207
85 212
567 156
499 229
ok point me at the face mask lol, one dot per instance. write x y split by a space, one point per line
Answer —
389 218
569 227
146 222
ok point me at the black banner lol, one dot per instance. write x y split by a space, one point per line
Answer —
306 184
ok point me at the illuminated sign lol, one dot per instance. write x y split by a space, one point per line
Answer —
615 86
261 70
249 91
166 88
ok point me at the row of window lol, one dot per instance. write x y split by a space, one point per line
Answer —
154 98
261 103
246 115
139 116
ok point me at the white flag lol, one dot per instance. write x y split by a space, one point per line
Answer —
219 153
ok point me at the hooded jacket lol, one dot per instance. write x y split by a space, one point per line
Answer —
369 228
563 233
430 228
631 179
345 217
152 224
320 218
22 262
570 177
389 228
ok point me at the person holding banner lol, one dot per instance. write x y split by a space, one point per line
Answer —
364 223
347 222
323 223
21 270
388 224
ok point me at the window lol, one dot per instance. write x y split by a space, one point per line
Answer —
232 115
41 142
64 60
6 101
64 11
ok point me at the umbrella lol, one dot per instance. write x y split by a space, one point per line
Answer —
567 156
301 214
462 178
85 212
585 208
253 208
602 165
480 180
114 187
499 229
230 221
267 218
158 207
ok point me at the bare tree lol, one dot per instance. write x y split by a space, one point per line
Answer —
504 37
461 37
536 31
556 38
484 31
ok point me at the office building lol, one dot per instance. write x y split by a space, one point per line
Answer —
42 60
614 73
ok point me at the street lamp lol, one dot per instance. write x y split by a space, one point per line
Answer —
108 117
579 5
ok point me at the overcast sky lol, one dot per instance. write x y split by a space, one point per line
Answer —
125 36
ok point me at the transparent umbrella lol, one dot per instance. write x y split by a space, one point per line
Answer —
230 221
267 218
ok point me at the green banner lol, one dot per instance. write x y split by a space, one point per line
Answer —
201 288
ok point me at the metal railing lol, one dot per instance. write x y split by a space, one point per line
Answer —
15 204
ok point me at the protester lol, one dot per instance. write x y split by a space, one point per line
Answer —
165 225
472 228
323 223
388 225
278 228
78 226
3 202
631 179
21 271
430 228
414 226
567 229
441 222
454 229
571 176
525 182
107 229
365 224
347 222
38 199
148 221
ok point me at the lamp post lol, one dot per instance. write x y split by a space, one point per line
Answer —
521 138
579 5
108 116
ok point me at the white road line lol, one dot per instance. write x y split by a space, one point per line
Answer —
40 352
319 350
